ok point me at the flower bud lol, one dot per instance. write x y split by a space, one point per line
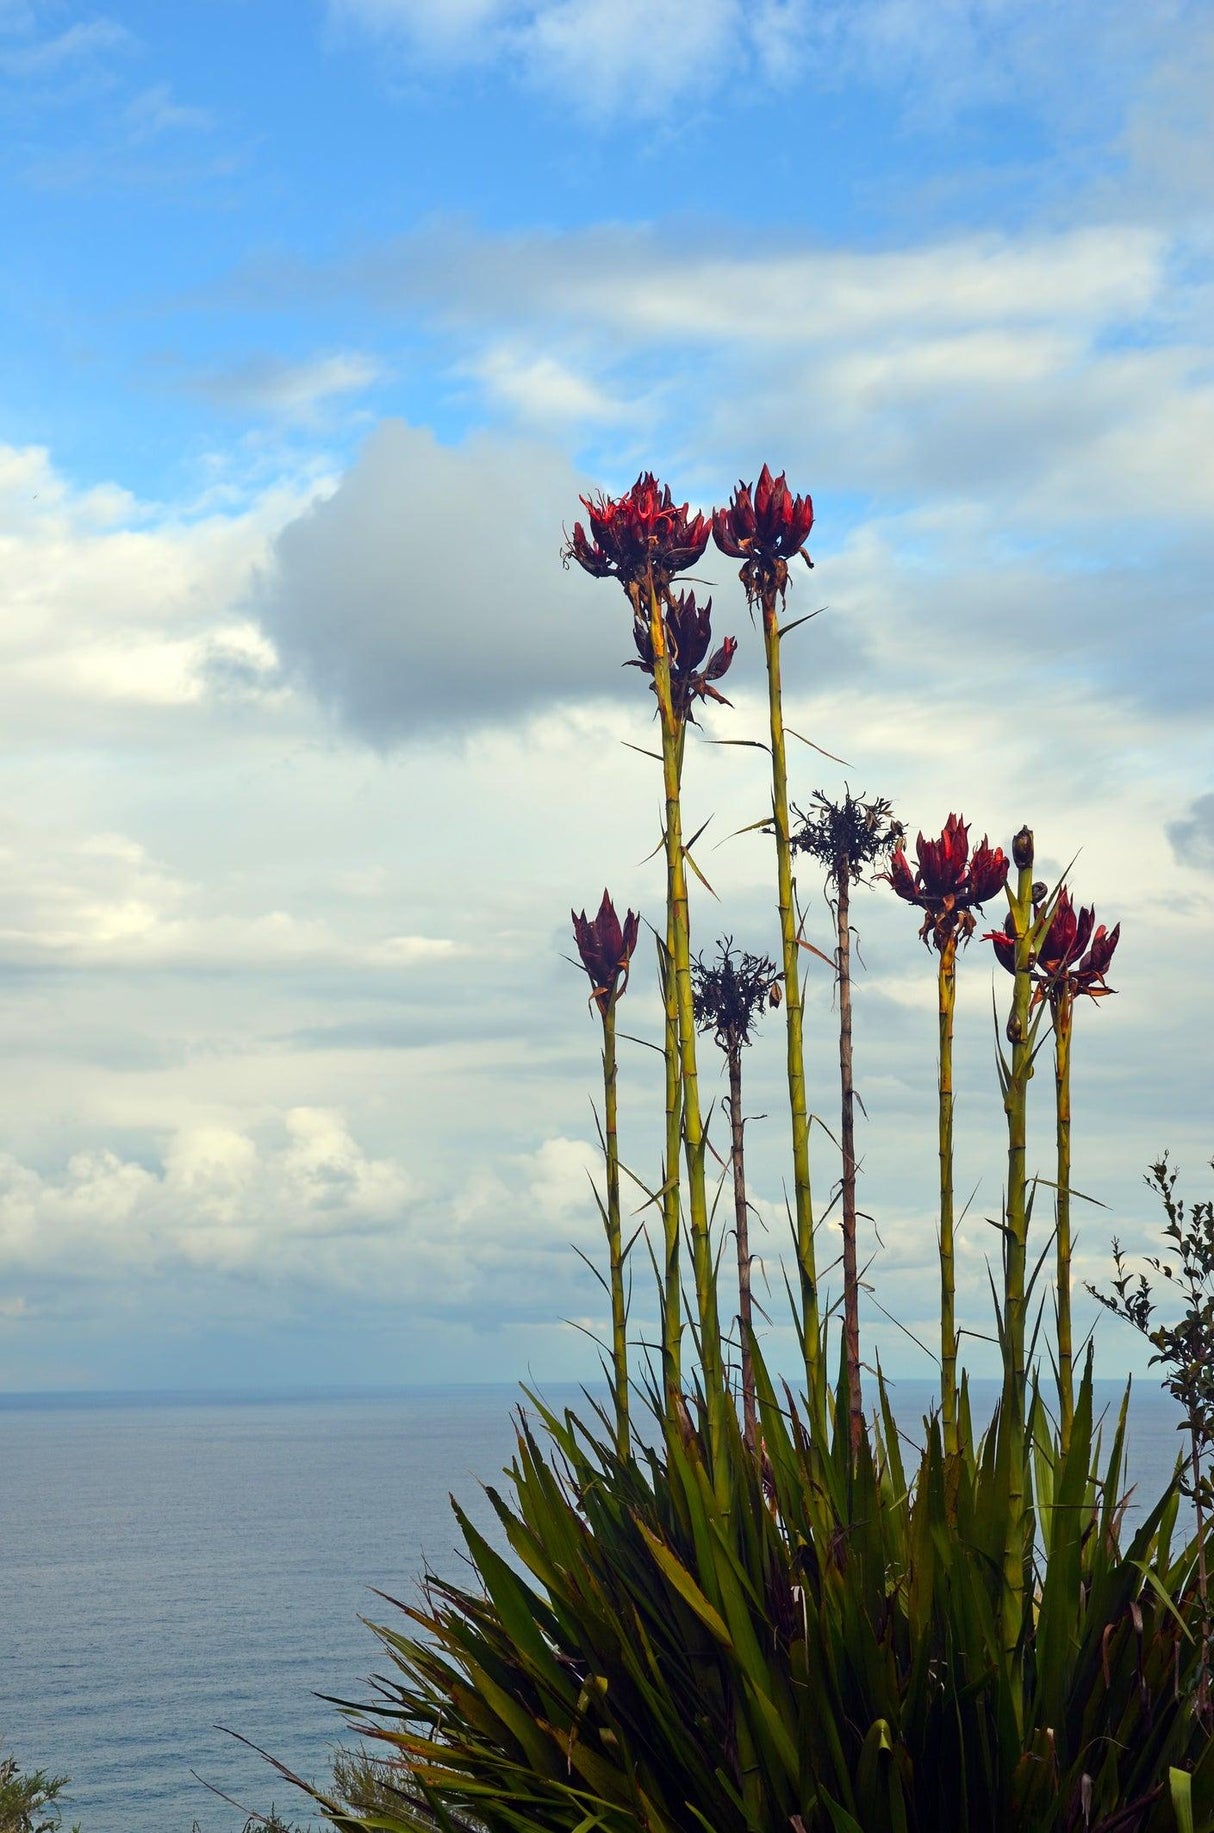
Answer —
1022 848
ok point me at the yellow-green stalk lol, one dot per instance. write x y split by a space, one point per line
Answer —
1062 1006
1017 1074
947 991
615 1243
693 1128
790 942
672 1306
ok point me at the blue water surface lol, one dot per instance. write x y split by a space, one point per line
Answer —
169 1565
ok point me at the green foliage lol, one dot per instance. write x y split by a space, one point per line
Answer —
824 1652
29 1804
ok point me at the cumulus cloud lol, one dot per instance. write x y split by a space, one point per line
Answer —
297 1205
425 593
114 608
1192 836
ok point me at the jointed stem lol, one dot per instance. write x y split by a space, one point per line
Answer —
948 1274
737 1128
693 1128
806 1262
851 1274
1015 1102
619 1312
671 1217
1062 1011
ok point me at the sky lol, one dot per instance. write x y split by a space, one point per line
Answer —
315 321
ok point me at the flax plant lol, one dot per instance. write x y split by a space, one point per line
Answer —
1070 963
644 539
948 886
605 947
847 838
767 527
730 993
755 1624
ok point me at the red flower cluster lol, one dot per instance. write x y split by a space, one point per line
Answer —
688 633
606 949
765 531
641 536
949 883
1072 959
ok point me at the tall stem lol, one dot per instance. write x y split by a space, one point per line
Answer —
672 1332
1015 1102
1062 1012
806 1262
693 1127
1203 1587
615 1250
851 1274
947 987
741 1218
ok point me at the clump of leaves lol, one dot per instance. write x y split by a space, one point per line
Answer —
28 1804
1185 1352
846 837
731 991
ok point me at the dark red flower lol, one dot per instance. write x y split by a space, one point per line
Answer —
606 949
688 635
1062 966
641 536
950 883
765 530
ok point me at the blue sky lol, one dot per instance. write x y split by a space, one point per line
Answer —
315 321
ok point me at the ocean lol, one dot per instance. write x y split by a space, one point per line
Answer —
172 1564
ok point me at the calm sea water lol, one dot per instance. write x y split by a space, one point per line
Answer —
170 1565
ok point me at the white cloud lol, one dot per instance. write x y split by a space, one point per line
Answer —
110 606
297 1205
597 54
939 58
296 392
52 57
154 112
539 388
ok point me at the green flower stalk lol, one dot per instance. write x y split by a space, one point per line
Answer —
605 947
643 539
948 887
672 1297
1062 1012
679 929
1071 961
1015 1074
846 838
729 996
765 530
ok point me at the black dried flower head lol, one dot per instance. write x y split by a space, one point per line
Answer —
846 837
731 992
